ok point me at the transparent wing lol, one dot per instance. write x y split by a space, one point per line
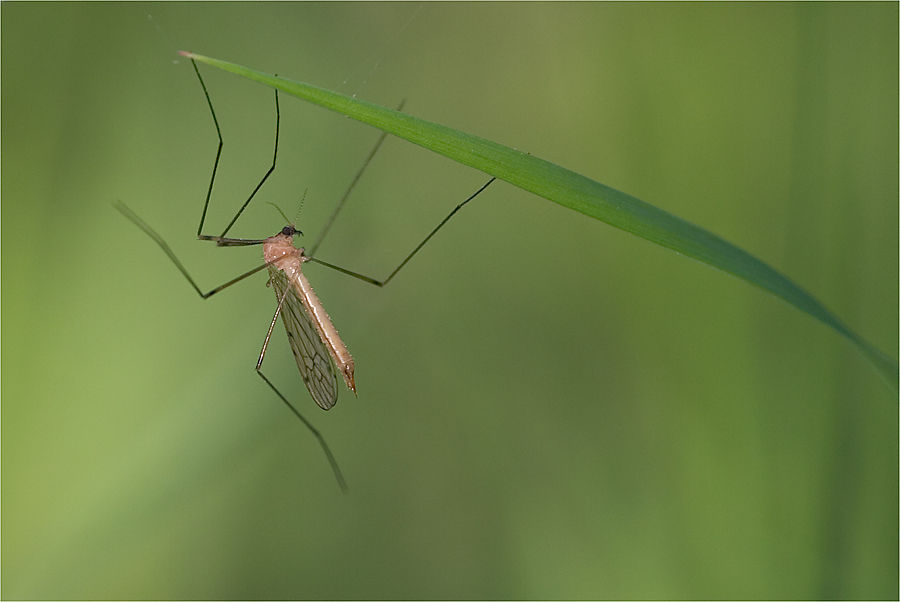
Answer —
312 357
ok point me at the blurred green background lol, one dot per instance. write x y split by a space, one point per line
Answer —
548 407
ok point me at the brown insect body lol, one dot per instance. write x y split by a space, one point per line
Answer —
311 333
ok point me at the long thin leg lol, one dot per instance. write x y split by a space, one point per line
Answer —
165 247
408 257
262 354
212 178
218 152
350 188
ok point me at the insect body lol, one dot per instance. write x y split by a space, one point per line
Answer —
312 335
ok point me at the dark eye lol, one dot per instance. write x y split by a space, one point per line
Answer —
288 230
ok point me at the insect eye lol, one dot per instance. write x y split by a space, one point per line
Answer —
288 230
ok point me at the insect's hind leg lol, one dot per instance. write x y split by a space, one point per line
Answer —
262 354
131 215
212 178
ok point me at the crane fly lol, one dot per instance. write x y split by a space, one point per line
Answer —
318 349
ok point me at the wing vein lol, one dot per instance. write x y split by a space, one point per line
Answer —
313 360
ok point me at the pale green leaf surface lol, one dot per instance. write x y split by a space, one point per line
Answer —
576 192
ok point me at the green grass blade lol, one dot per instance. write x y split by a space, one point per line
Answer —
576 192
